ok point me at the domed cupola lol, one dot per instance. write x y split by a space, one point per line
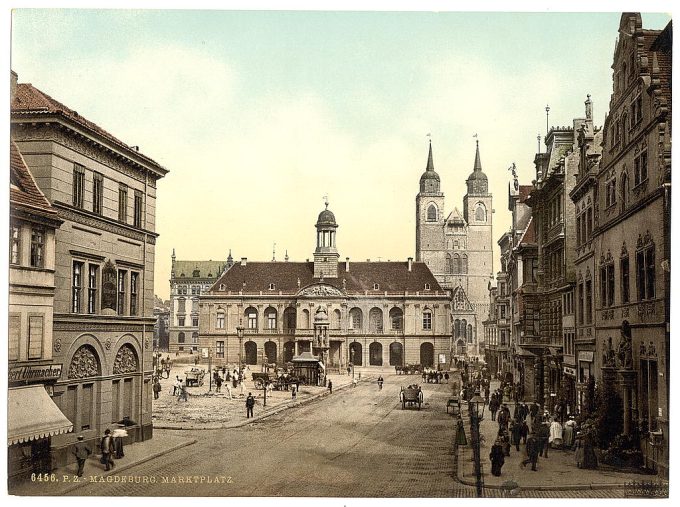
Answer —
326 254
429 181
477 182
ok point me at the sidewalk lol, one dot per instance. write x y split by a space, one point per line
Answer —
135 454
211 410
557 472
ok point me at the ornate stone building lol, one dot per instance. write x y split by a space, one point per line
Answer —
188 280
104 191
378 313
458 249
632 235
579 355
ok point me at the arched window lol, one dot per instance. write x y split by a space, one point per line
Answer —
336 317
251 317
375 318
427 319
194 337
375 354
432 213
456 264
355 319
480 213
180 337
464 267
289 318
469 333
305 319
270 317
457 328
396 319
463 328
449 263
355 353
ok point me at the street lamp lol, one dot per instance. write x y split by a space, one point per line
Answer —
239 333
476 409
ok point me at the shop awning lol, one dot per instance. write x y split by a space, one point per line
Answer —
524 352
31 414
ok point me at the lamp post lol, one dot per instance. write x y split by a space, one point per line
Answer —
239 333
210 353
476 410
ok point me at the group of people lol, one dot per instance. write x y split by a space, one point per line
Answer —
110 446
435 377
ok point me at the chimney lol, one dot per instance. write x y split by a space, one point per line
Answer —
410 263
347 264
13 79
244 261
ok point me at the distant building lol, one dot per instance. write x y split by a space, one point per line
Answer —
378 313
458 249
161 335
104 191
188 280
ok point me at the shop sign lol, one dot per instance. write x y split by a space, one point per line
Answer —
35 373
570 371
442 358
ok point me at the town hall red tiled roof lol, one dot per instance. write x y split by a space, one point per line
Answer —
393 277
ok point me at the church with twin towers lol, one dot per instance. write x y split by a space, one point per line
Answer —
458 249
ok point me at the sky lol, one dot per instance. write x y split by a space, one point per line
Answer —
260 114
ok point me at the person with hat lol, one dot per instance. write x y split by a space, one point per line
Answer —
250 403
107 449
81 452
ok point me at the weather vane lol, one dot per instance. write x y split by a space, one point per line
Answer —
325 199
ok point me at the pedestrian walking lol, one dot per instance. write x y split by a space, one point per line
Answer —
107 450
156 389
293 393
330 386
555 437
497 457
533 446
228 390
250 403
544 436
81 452
524 431
380 383
242 387
493 406
218 383
118 434
182 392
585 452
569 433
446 377
515 433
460 433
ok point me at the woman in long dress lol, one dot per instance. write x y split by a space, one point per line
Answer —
555 437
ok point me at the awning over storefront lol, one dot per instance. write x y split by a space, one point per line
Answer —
524 352
31 414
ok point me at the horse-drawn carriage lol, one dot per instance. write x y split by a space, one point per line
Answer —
279 379
411 395
194 376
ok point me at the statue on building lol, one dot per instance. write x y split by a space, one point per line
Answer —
624 353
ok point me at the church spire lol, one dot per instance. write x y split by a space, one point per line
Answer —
430 164
478 163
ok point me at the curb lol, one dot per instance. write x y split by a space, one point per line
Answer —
290 404
130 465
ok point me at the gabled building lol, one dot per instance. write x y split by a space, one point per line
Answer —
632 235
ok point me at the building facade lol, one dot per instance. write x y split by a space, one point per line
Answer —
104 191
379 313
631 235
32 368
458 248
188 280
554 218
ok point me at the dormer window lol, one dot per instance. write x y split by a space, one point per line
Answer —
376 286
221 286
272 286
427 286
196 273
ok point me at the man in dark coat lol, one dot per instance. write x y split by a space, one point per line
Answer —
516 433
524 431
81 452
493 406
107 450
543 436
497 457
532 451
250 403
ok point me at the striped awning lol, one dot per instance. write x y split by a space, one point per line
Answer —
31 414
